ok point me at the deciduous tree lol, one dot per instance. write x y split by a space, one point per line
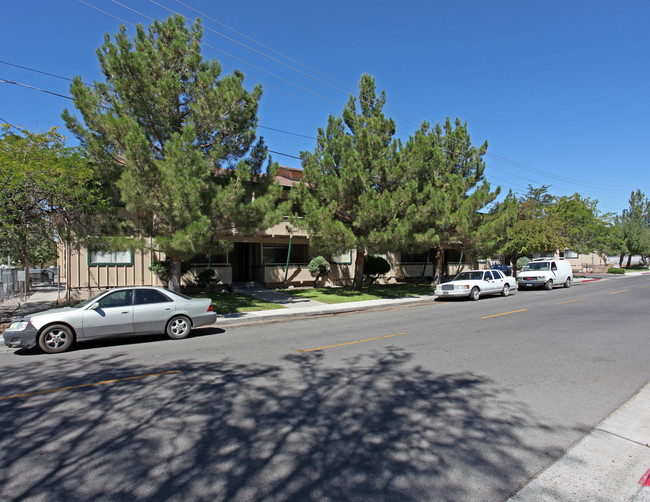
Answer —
47 192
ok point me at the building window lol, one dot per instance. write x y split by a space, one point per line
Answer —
277 255
570 255
414 257
342 258
110 258
207 259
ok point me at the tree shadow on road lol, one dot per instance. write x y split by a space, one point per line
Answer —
373 429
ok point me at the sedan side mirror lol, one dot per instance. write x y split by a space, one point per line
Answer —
94 306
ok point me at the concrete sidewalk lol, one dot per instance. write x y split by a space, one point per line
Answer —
612 463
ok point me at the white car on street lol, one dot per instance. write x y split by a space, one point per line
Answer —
477 283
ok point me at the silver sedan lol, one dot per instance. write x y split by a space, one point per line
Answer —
114 313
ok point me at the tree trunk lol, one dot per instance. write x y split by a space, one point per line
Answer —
437 265
620 260
629 260
357 283
174 283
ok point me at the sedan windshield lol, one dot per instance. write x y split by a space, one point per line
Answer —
469 276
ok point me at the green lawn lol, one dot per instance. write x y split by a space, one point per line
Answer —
375 292
230 303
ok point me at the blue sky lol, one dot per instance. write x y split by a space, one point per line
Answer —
559 89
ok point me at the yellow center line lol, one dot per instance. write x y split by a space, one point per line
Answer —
643 287
621 291
570 301
28 394
350 343
505 313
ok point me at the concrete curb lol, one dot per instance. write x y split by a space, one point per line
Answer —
313 311
610 463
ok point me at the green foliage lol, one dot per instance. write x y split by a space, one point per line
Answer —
319 267
374 266
205 278
363 190
162 269
352 191
47 194
522 261
449 195
371 292
634 225
615 270
176 140
546 223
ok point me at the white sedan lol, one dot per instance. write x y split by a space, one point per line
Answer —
477 283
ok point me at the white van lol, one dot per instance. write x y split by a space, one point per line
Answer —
547 272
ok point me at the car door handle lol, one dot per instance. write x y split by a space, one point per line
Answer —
168 308
126 312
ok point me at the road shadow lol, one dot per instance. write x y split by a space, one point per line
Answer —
125 341
375 428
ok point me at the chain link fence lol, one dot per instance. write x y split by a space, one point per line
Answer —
12 281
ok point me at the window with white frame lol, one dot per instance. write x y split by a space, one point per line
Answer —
110 258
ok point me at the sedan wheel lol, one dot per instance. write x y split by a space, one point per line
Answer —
474 294
179 327
506 290
56 338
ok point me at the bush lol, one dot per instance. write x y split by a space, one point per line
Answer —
318 267
615 270
373 267
205 278
161 269
521 262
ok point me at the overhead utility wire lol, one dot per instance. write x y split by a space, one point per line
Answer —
503 159
239 59
262 127
2 80
108 108
223 65
412 120
349 89
247 47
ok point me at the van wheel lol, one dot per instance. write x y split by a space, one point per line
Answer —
474 294
548 285
506 290
567 284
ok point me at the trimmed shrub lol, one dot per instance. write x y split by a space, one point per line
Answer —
615 270
318 267
205 278
373 267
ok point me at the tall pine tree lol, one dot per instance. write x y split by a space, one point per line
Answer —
449 195
351 194
176 139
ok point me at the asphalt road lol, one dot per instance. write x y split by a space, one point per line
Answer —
447 401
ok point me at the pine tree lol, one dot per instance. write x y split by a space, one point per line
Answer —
176 139
352 194
448 194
